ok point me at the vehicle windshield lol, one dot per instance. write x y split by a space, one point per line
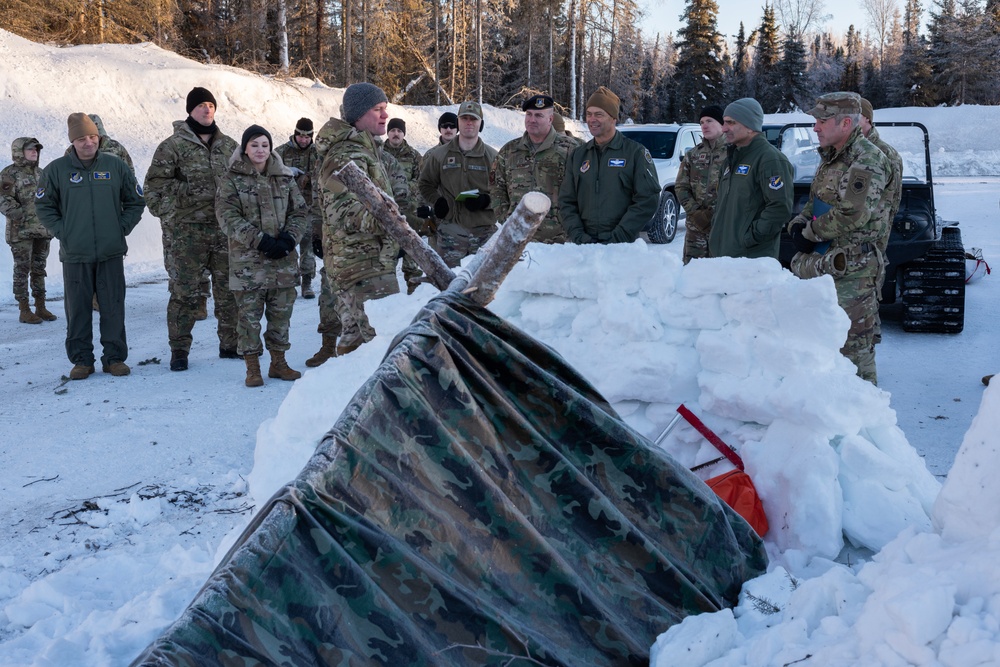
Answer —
799 144
659 143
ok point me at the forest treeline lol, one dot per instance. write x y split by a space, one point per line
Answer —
501 51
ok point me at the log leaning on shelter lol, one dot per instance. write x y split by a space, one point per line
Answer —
492 263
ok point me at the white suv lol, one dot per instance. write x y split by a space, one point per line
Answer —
667 143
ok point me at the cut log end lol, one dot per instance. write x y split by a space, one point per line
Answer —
536 203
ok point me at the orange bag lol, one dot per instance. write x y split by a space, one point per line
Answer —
736 489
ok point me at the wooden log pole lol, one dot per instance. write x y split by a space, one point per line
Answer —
385 210
495 260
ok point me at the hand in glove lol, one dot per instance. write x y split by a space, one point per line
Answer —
271 248
424 212
441 208
480 202
286 242
296 171
317 246
801 243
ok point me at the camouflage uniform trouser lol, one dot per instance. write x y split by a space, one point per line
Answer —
329 320
355 328
197 248
307 259
30 256
698 228
453 241
168 259
858 296
275 305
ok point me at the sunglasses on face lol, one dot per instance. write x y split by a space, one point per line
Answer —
449 126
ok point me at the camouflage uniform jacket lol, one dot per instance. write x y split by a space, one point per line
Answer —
522 167
852 182
354 245
250 204
307 161
447 172
185 173
894 186
697 183
409 159
18 183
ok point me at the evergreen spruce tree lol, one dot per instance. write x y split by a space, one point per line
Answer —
766 77
792 75
698 77
737 79
851 80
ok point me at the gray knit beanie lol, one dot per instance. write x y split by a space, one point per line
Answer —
746 111
359 98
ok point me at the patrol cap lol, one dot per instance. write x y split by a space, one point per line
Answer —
866 109
471 108
833 104
32 143
537 102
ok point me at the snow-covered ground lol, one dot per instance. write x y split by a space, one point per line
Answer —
120 494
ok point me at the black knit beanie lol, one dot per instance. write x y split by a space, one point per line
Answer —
199 95
250 133
448 117
304 126
713 111
396 124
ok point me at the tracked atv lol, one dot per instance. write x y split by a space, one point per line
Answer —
925 269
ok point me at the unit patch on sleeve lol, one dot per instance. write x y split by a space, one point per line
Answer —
775 183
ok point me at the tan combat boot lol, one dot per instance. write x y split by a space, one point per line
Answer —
279 367
307 290
329 349
27 317
42 311
253 370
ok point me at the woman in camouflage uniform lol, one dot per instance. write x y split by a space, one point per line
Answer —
28 239
260 209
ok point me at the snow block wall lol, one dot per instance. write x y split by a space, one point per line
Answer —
752 350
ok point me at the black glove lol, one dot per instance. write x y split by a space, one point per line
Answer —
424 212
441 208
271 247
318 246
801 243
287 242
480 202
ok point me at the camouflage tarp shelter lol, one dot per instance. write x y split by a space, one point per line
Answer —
477 500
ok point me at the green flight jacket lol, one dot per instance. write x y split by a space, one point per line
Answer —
89 209
609 192
754 201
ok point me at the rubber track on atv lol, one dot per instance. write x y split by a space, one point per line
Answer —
932 287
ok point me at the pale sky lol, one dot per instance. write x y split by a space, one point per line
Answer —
663 16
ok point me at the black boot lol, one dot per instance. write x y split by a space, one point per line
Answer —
229 353
179 360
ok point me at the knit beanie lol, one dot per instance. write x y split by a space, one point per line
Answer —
606 100
866 110
396 124
448 118
359 98
713 111
250 133
80 125
747 112
197 96
558 123
304 126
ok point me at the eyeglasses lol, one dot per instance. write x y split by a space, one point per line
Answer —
449 126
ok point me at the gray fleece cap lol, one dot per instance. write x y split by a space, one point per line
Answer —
748 112
359 98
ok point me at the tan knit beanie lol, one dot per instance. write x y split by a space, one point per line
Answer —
866 109
605 99
80 125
